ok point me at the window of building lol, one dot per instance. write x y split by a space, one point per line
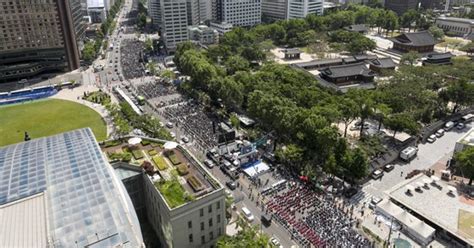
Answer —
190 224
218 205
219 232
201 212
209 209
190 238
210 222
218 218
203 239
202 226
211 235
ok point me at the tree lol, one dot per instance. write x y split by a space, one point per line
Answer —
410 57
349 113
408 18
152 68
461 93
236 63
248 236
364 103
357 164
148 45
234 120
437 33
88 52
401 122
291 155
361 45
141 20
465 161
168 74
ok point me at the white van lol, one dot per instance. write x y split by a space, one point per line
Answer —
408 153
247 214
449 125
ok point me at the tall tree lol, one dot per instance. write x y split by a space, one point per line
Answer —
461 93
410 57
465 161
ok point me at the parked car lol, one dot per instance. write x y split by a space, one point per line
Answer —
173 135
247 214
439 133
460 126
449 125
169 125
388 167
185 139
275 242
377 174
209 163
373 202
231 185
432 138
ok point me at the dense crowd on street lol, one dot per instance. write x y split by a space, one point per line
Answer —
314 219
195 123
130 58
156 89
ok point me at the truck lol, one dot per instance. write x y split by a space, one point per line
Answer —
408 153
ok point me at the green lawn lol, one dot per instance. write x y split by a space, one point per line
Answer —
173 192
47 117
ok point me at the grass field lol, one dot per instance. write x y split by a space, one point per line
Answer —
47 117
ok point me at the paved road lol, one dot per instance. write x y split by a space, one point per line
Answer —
428 155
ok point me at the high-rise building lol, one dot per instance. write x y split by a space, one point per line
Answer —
174 22
154 11
302 8
193 12
59 191
38 37
240 13
401 6
274 10
431 4
205 10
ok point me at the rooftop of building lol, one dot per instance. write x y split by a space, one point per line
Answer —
292 51
383 62
468 138
435 56
456 19
356 28
177 175
58 191
437 202
422 38
347 70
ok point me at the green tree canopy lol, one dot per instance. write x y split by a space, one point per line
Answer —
465 161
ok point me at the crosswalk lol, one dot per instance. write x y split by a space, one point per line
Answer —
360 198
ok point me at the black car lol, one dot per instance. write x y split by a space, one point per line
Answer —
231 185
388 167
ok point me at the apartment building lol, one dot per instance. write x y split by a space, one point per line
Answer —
174 22
240 13
274 10
302 8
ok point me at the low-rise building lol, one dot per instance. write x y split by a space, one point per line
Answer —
380 64
438 59
462 27
348 74
465 141
221 27
203 34
422 42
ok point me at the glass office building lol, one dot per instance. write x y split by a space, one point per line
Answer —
59 191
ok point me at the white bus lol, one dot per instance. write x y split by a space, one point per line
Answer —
467 118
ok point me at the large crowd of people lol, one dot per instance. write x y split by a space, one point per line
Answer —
156 89
131 59
314 219
196 124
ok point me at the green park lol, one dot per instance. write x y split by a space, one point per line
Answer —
47 117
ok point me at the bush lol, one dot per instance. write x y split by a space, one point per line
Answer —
154 144
174 159
152 152
160 163
125 157
195 183
182 169
145 142
137 154
110 143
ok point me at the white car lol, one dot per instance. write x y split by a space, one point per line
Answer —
274 241
439 133
247 214
169 125
432 138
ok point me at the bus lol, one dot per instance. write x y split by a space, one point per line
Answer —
467 118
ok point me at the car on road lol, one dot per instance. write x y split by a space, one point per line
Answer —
374 201
185 139
439 133
209 163
432 138
388 167
247 214
275 242
460 126
377 174
449 125
231 185
169 125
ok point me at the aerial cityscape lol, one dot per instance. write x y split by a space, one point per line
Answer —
236 123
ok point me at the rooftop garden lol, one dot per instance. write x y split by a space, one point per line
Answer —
174 194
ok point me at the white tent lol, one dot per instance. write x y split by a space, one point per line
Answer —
134 141
170 145
256 169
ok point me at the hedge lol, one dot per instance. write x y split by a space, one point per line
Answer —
145 142
137 154
174 159
160 163
152 152
110 143
182 169
195 183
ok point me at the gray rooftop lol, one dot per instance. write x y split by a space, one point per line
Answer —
422 38
82 201
447 55
383 62
456 19
347 70
433 203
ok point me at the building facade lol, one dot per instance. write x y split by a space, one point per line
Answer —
422 42
274 10
154 11
174 22
203 34
38 38
302 8
401 6
462 27
240 13
222 27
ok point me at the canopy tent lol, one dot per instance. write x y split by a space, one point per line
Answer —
170 145
256 169
134 141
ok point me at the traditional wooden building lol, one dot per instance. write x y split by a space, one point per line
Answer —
348 74
292 53
439 59
380 64
422 42
357 28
